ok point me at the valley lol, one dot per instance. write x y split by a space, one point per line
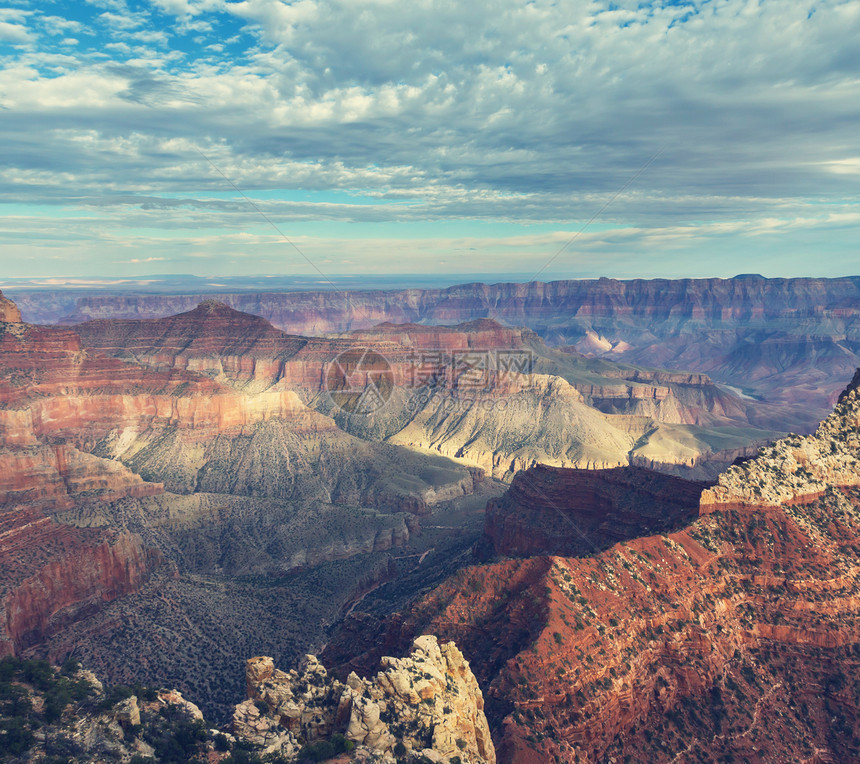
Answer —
786 341
182 492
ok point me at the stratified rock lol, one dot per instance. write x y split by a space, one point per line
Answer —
559 408
428 702
786 338
735 638
552 510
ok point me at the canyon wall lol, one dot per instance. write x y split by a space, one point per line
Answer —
561 408
568 512
735 636
123 478
786 340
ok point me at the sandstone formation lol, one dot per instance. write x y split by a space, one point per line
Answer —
561 409
426 704
9 312
568 512
785 339
54 575
735 638
120 481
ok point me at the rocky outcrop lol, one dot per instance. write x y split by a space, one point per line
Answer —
53 478
797 468
568 512
71 711
9 312
426 704
735 636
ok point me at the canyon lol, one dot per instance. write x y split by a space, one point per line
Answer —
560 409
122 482
786 341
634 563
734 635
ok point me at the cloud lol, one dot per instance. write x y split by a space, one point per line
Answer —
709 116
59 25
16 34
122 21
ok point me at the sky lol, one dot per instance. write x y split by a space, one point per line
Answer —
561 139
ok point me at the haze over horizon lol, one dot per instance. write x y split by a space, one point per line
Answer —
684 139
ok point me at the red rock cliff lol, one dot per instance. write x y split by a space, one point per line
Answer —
554 510
8 310
734 637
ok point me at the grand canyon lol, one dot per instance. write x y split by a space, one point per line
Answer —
615 532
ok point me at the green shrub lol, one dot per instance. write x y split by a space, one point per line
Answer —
38 673
326 749
16 736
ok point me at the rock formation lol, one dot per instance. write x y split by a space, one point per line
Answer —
426 704
796 468
69 715
562 409
9 312
120 481
567 512
785 339
735 637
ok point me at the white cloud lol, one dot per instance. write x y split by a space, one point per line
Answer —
59 25
122 21
17 34
436 110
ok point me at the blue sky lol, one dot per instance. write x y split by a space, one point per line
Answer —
713 137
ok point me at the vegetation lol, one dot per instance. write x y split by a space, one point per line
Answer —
18 715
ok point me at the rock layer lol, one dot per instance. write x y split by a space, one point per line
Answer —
734 637
569 512
787 339
554 408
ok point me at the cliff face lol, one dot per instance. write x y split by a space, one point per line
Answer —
428 703
120 480
784 339
735 636
561 409
570 512
54 575
79 574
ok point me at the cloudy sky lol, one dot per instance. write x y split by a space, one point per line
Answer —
554 139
